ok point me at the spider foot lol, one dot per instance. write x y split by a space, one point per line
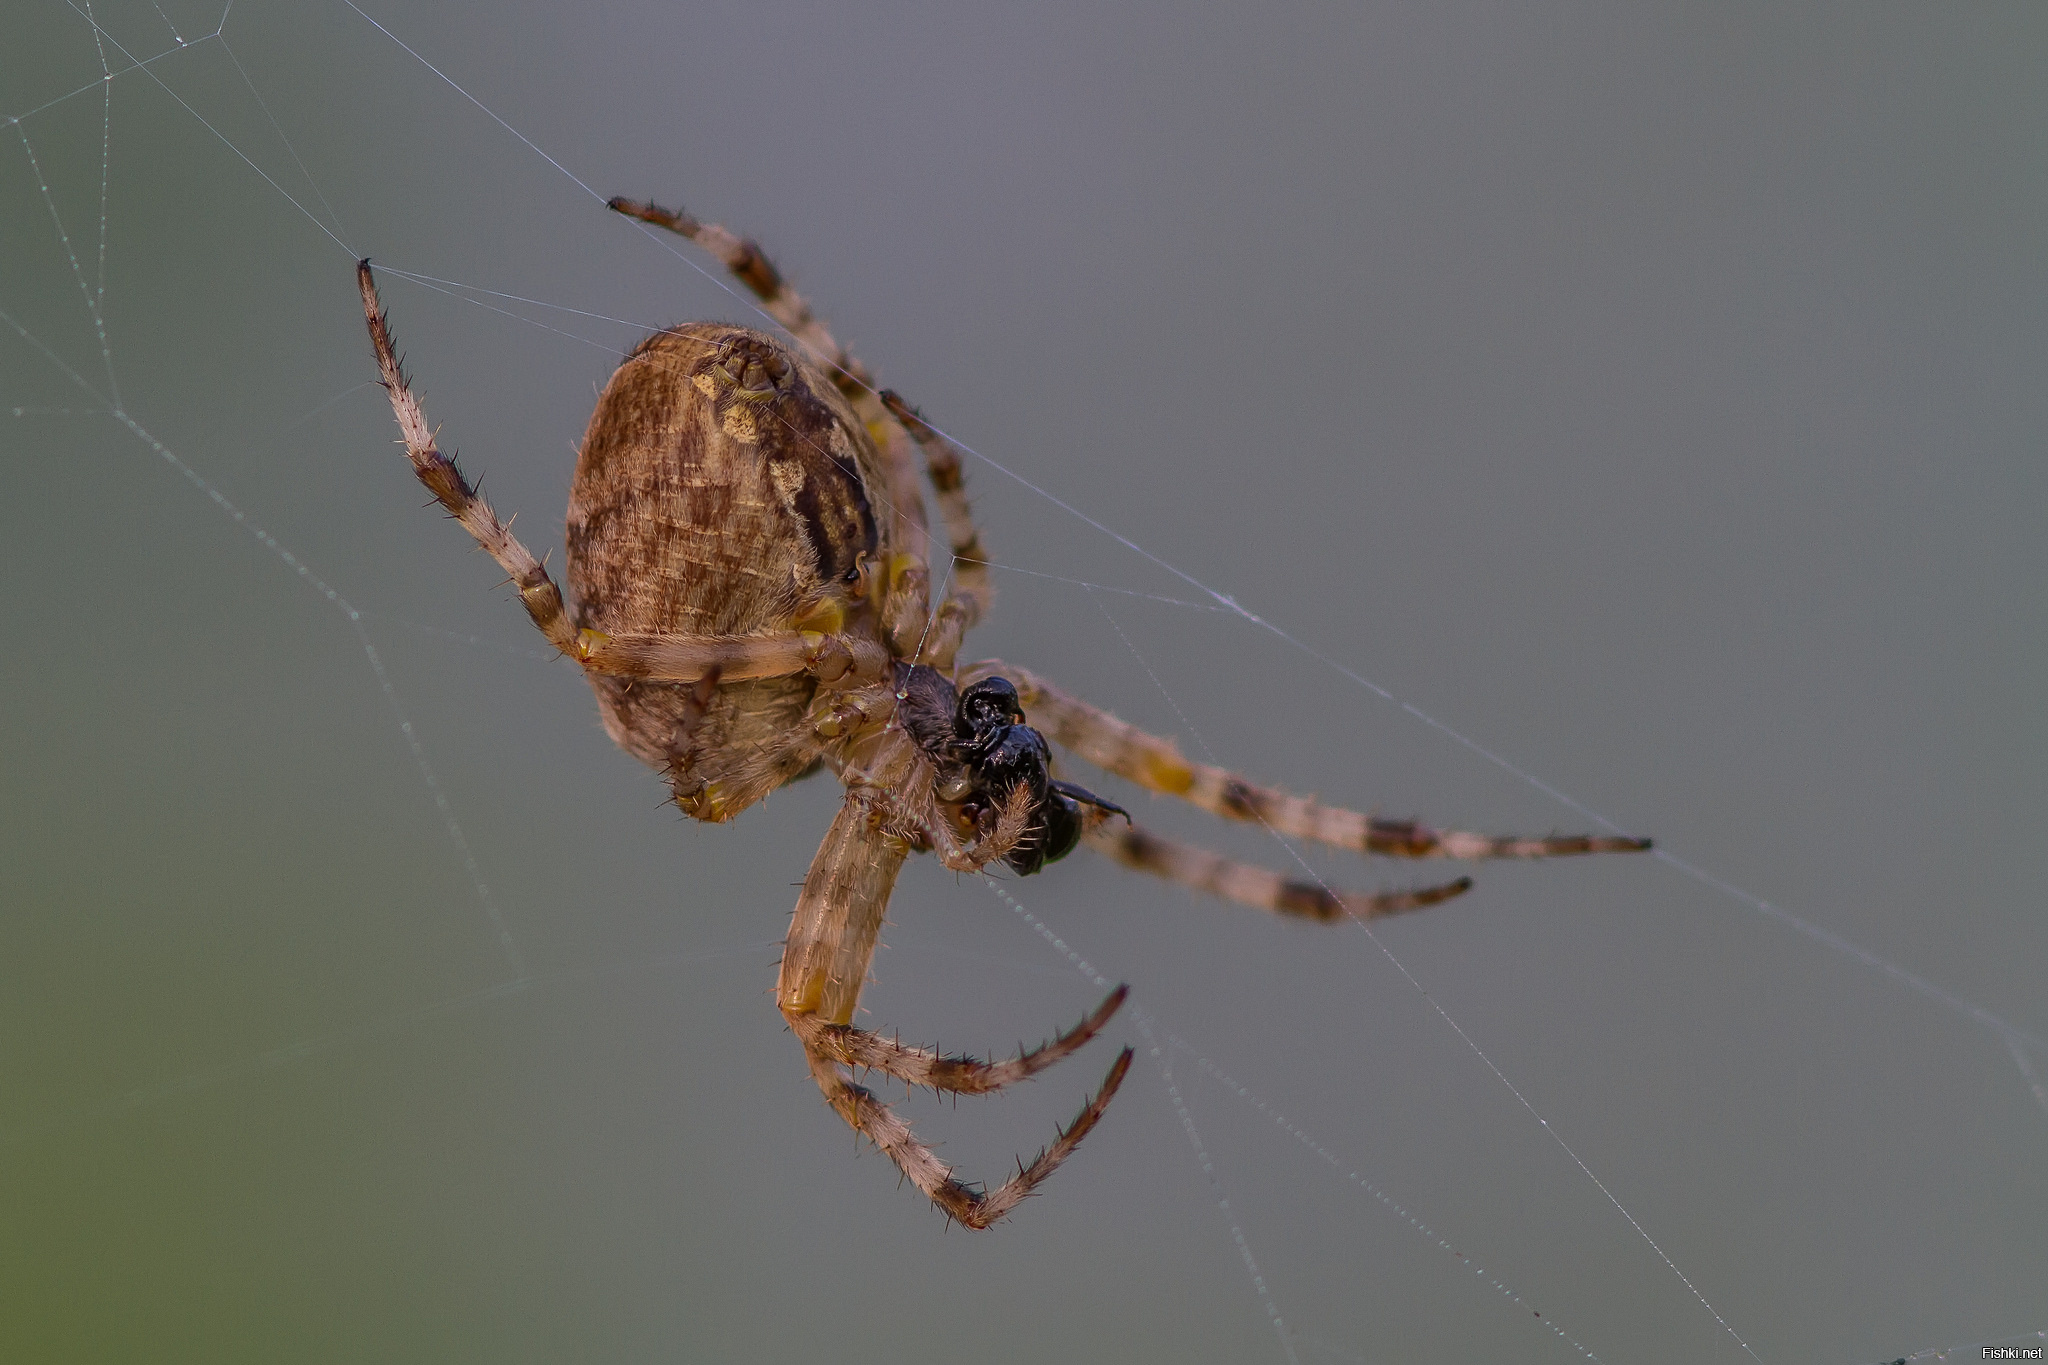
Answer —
921 1166
1410 839
981 1210
829 1047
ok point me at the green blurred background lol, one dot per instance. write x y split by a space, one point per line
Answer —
1653 395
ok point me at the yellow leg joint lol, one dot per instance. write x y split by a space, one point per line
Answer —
1169 776
822 618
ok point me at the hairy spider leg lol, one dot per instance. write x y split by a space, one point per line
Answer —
825 962
735 658
1157 765
888 419
959 1075
973 594
537 590
656 657
751 267
1259 887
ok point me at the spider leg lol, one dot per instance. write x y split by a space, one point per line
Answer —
1013 822
1258 887
1156 764
850 1046
972 593
658 658
824 964
964 1204
537 590
745 259
736 658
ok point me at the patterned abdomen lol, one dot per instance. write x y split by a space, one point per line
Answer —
722 489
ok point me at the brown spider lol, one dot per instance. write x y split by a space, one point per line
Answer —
751 565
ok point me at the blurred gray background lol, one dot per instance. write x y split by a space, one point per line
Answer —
1652 395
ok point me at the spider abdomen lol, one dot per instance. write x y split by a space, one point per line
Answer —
723 488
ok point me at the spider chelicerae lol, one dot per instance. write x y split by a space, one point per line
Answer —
752 572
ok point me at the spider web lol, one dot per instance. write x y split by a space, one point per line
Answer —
346 971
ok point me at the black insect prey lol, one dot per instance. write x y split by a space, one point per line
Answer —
985 751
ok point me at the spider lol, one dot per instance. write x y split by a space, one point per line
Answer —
752 570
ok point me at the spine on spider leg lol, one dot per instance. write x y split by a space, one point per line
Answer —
839 915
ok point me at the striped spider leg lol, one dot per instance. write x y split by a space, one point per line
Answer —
825 963
1157 765
656 656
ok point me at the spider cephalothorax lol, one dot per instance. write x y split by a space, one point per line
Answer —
752 572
